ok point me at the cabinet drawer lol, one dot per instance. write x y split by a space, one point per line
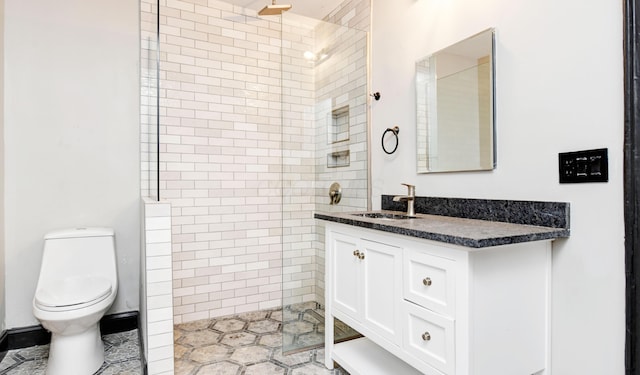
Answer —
429 281
429 337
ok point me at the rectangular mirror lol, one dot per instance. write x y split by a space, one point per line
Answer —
455 110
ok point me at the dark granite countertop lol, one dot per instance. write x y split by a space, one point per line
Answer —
473 233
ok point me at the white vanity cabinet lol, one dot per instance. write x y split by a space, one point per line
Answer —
366 287
426 307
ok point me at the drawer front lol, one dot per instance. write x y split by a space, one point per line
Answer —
429 281
429 337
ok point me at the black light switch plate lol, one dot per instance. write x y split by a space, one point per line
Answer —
584 166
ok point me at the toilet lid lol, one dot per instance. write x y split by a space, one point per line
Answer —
73 291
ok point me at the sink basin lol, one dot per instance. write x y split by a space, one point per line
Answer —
383 215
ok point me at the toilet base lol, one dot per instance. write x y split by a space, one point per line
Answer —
78 354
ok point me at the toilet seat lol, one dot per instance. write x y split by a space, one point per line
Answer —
72 293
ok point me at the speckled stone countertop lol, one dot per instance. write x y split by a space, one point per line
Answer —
473 233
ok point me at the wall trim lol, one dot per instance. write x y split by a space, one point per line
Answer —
24 337
143 358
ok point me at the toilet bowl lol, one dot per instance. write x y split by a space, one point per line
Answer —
76 286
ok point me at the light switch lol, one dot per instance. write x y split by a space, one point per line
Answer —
583 166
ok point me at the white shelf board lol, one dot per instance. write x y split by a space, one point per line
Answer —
363 357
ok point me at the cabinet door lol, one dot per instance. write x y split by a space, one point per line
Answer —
345 282
381 267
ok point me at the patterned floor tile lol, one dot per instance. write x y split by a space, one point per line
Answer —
251 344
265 368
123 351
199 338
248 343
122 356
250 354
180 350
254 315
313 369
276 315
291 360
211 353
6 363
34 367
228 325
273 340
264 326
303 327
197 325
130 367
236 339
297 327
220 368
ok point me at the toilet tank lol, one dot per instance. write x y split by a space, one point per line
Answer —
79 251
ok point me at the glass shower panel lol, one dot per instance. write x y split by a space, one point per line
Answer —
324 137
149 78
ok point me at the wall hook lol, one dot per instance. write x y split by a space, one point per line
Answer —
376 95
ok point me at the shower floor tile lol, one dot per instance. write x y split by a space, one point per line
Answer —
122 356
242 344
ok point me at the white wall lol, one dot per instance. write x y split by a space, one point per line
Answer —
2 266
71 136
559 88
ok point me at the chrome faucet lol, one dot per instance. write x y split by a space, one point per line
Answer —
410 198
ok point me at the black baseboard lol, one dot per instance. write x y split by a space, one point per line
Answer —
24 337
120 322
4 345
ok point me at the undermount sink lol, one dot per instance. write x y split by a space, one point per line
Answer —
383 215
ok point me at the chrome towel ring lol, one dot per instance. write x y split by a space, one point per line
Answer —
395 130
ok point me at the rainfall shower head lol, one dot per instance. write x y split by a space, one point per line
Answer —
273 9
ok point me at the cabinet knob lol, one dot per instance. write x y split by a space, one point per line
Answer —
426 281
356 253
361 256
426 336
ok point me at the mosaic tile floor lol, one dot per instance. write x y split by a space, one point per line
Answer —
303 327
122 356
247 344
243 344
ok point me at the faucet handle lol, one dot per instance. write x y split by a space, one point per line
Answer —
410 188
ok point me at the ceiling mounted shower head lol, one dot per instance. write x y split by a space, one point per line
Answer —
274 9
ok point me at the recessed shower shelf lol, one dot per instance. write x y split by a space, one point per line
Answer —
338 159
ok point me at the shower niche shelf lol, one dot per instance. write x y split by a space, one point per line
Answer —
339 125
338 159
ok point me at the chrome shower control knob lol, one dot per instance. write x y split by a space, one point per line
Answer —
356 253
426 281
361 256
426 336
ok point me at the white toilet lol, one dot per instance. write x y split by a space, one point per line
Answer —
77 285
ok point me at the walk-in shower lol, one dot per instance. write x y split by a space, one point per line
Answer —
256 117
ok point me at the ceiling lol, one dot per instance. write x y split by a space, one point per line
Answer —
310 8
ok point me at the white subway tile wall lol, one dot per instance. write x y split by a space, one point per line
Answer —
241 151
156 296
